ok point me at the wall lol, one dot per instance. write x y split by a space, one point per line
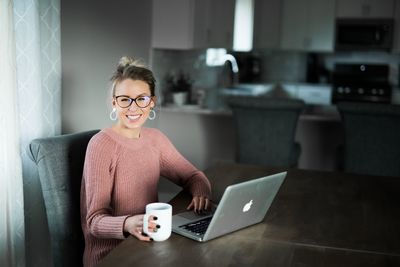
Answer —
94 35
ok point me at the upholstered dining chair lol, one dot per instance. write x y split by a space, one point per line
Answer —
372 138
265 130
59 163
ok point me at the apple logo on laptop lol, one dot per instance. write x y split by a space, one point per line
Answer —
247 206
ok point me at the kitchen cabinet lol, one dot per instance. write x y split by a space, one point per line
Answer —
191 24
318 132
201 137
267 24
396 43
308 25
221 14
365 8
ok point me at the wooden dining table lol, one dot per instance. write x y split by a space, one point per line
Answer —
317 219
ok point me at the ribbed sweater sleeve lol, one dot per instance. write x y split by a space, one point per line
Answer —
99 186
180 171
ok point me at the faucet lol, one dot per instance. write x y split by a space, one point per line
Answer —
234 68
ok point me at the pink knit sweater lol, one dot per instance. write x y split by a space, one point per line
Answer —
120 177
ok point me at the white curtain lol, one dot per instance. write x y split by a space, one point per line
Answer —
11 193
30 82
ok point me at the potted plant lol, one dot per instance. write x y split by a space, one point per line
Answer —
180 87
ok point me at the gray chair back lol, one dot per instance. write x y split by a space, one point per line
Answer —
372 138
60 164
265 130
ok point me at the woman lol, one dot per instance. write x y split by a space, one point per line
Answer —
123 165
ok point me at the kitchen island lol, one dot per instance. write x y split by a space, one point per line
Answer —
206 136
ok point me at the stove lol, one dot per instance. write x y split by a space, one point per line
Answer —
361 82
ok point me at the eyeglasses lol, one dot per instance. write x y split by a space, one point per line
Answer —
125 101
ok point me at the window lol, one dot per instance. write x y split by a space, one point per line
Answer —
243 25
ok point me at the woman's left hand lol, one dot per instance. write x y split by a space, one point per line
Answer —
199 204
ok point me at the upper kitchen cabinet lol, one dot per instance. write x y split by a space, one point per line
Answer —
220 23
267 23
365 8
191 24
308 25
396 43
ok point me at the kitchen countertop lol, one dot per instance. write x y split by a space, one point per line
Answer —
312 112
316 97
195 109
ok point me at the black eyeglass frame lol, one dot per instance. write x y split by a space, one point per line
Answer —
133 100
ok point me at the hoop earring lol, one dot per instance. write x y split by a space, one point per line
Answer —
152 114
113 114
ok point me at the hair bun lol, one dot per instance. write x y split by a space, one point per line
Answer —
126 62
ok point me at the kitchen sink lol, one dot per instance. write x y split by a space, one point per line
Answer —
247 89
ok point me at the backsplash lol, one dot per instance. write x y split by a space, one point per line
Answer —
275 66
283 66
191 62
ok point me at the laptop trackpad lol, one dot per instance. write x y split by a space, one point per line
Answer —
189 216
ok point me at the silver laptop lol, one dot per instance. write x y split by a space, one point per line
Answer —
241 205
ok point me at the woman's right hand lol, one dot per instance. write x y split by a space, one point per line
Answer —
134 226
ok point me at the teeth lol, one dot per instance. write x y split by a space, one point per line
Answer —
133 117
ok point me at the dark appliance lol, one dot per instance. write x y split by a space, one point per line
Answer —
316 72
361 82
249 66
364 34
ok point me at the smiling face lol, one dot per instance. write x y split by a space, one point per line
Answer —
132 118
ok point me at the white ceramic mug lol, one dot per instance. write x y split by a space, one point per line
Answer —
163 212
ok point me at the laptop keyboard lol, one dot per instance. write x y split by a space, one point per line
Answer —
198 227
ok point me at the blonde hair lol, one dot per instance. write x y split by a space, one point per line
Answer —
129 68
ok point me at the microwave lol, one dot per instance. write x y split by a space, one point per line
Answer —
364 34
